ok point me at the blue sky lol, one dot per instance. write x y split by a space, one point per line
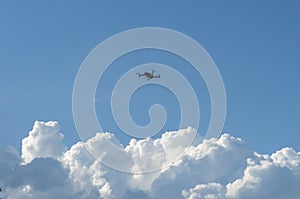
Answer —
254 44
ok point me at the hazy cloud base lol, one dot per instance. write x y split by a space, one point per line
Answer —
47 169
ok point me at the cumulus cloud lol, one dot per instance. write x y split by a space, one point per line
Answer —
44 140
207 191
223 168
264 177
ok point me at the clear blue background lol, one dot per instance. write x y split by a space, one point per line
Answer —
255 44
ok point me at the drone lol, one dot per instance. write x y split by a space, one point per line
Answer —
149 75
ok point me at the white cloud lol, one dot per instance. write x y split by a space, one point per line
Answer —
205 191
276 176
224 168
44 140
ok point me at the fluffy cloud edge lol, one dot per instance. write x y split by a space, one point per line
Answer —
230 169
